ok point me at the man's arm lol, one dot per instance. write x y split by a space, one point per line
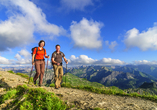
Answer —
52 59
65 60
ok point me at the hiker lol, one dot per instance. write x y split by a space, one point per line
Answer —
39 61
56 59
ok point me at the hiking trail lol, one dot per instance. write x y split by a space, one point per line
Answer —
81 99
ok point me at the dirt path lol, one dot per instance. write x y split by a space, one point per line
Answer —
84 99
89 100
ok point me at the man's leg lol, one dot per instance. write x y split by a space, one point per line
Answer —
37 67
42 68
60 75
55 68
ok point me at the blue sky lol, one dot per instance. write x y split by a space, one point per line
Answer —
102 32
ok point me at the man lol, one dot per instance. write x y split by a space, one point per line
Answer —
56 59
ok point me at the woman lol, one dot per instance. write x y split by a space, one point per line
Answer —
39 61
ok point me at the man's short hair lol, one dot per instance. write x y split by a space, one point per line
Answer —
57 45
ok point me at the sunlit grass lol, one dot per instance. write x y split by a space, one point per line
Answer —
35 99
112 90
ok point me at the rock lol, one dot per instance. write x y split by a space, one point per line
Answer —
3 79
153 108
101 103
1 89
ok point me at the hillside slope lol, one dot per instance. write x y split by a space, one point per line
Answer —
81 99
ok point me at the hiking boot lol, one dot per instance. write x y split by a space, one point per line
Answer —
56 87
40 85
59 86
35 82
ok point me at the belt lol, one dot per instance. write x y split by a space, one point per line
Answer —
56 64
39 59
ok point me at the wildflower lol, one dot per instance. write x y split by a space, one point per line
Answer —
36 100
41 99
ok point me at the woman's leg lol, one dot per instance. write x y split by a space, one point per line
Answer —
42 68
37 67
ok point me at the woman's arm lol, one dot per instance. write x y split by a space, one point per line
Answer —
33 59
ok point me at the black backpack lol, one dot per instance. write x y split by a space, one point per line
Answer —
36 51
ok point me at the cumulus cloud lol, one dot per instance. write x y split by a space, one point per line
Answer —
24 19
25 53
145 62
112 45
82 59
17 56
86 34
23 57
85 60
4 60
144 40
75 4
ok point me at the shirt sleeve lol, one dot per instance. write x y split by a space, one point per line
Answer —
63 55
34 52
52 55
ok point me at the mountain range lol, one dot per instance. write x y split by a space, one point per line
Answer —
123 77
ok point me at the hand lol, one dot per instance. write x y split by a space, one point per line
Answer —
33 63
66 62
58 64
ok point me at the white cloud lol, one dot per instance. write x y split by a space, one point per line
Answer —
17 56
145 62
4 60
112 45
75 4
109 61
15 32
144 40
85 60
86 34
26 57
24 61
25 53
24 19
82 59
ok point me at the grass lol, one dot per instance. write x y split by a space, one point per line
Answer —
34 96
100 89
35 99
76 81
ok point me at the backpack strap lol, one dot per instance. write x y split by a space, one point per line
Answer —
62 54
55 53
36 53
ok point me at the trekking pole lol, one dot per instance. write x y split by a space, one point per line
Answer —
30 74
46 67
66 73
